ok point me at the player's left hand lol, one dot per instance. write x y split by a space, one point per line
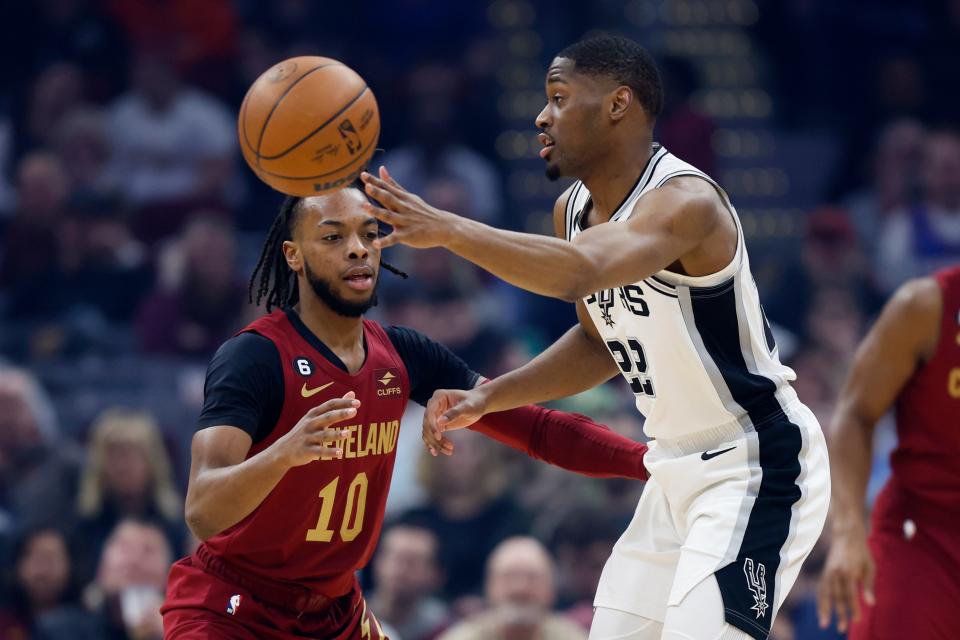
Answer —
415 223
437 417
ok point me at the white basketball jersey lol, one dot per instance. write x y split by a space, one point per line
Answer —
697 352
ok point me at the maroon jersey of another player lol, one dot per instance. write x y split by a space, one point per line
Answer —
926 461
322 520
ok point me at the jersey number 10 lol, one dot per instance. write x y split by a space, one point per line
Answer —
352 522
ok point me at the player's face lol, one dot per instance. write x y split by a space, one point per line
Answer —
333 249
571 121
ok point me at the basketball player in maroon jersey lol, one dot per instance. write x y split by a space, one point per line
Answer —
295 447
902 581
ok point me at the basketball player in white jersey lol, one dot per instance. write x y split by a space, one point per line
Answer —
652 253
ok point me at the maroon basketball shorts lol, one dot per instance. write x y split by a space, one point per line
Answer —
208 600
916 548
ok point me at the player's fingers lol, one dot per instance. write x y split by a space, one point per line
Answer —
331 417
332 405
322 451
380 192
824 601
327 436
389 240
840 601
457 417
868 594
386 177
446 447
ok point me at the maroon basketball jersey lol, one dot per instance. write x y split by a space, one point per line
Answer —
927 458
322 520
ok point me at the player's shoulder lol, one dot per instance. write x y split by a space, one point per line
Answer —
918 296
246 350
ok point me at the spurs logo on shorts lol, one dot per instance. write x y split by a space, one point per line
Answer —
757 584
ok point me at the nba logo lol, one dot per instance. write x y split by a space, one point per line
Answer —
234 604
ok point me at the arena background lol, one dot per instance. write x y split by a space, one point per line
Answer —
129 225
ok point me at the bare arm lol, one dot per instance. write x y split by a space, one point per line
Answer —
666 225
903 337
225 488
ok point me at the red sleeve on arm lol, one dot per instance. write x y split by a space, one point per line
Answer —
567 440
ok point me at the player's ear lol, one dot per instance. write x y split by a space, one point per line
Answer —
291 252
620 100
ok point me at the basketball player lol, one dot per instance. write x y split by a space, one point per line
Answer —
651 250
908 570
296 443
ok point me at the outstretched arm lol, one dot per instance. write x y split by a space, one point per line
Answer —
667 224
903 337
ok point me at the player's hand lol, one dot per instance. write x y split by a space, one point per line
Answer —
314 436
415 223
447 410
849 568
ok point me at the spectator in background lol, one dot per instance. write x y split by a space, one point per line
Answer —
829 257
926 237
520 592
469 509
682 128
581 544
38 468
172 145
130 582
43 187
434 151
58 90
41 593
83 146
894 180
97 268
406 577
127 475
200 297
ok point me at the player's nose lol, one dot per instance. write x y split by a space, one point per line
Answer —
543 120
356 249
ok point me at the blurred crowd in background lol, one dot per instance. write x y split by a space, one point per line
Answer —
129 226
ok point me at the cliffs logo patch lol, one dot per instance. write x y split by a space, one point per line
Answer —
388 382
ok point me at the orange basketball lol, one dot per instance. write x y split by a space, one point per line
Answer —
308 125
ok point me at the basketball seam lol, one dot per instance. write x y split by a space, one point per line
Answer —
315 131
321 175
280 99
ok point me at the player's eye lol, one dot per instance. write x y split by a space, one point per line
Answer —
372 235
556 99
333 237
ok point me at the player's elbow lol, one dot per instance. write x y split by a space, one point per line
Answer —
198 521
582 282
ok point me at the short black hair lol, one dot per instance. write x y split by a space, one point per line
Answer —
623 60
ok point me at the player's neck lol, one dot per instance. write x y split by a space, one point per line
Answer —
612 178
338 332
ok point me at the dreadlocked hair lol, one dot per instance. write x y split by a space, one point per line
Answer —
274 280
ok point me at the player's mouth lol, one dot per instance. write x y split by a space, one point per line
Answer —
547 143
359 278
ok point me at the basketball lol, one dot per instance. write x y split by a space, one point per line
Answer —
308 125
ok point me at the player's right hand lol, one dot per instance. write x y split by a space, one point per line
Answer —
313 436
447 410
849 568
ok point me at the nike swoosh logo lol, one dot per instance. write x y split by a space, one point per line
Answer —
706 455
306 393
